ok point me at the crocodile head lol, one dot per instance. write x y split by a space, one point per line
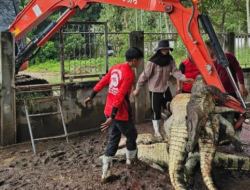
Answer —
198 83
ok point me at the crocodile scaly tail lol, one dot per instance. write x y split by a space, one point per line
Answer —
177 156
207 152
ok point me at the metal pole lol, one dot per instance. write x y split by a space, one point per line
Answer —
106 45
222 60
141 20
30 130
64 126
235 87
137 40
62 61
136 20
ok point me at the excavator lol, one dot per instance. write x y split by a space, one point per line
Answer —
8 11
186 20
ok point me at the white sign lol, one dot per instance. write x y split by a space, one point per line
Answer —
37 10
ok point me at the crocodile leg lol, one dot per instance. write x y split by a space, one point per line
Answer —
177 156
231 133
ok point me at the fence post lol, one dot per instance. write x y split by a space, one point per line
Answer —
230 42
7 105
137 40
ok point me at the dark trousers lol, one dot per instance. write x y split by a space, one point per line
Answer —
183 91
118 127
159 100
236 115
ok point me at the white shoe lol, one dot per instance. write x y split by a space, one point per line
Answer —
156 126
106 168
130 156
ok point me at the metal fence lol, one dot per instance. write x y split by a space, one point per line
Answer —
242 49
88 50
83 50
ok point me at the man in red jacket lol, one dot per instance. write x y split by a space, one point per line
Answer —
120 79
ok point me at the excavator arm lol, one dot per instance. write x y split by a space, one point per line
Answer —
185 20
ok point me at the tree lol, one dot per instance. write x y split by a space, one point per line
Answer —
248 16
226 15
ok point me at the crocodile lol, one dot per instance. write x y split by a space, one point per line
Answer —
207 136
177 157
155 154
199 110
201 126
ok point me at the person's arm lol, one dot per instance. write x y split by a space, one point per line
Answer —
179 83
234 64
145 75
178 75
98 87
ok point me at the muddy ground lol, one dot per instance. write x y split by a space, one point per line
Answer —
76 165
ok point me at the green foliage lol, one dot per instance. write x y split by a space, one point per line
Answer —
48 51
226 15
180 52
72 43
48 65
54 65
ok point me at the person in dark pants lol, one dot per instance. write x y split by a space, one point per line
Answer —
190 70
157 73
118 112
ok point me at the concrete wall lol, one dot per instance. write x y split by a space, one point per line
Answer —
77 118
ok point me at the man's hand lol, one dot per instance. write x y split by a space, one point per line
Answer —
105 126
135 93
86 101
189 80
178 90
243 91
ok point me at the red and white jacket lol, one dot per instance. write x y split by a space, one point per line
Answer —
120 79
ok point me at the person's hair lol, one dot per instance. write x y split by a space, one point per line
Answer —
208 44
133 53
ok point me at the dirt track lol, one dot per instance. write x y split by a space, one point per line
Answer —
76 165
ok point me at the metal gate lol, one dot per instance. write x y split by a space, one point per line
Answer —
84 50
